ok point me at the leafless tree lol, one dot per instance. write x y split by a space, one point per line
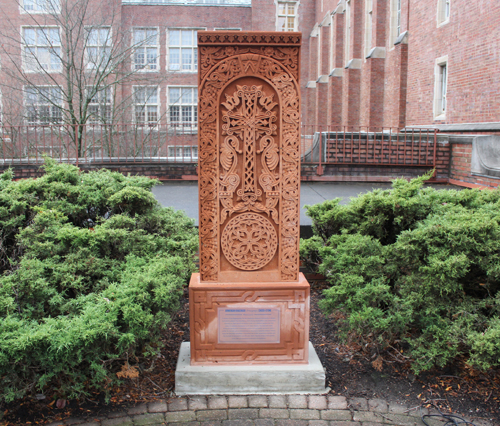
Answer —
68 66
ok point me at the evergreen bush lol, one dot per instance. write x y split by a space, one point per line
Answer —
92 268
415 265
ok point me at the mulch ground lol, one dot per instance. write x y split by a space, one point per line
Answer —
352 370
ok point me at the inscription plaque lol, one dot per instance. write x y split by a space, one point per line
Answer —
248 325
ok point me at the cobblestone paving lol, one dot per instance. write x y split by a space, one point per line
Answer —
265 410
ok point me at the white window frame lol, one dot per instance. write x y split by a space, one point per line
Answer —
179 125
146 105
286 15
396 14
182 153
368 26
40 6
101 102
32 51
443 12
348 25
193 48
103 47
146 46
441 77
43 102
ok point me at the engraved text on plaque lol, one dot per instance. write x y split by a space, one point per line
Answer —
249 325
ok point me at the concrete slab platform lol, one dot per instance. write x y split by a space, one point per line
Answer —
248 379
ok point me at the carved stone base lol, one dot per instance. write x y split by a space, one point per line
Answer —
249 323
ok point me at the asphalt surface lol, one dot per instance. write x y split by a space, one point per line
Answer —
184 195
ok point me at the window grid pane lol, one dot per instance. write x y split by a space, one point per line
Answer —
183 53
99 109
146 108
43 105
183 107
98 47
42 49
287 16
42 6
146 49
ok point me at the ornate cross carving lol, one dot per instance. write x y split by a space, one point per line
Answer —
249 118
249 137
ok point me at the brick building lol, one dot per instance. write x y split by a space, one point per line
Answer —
397 63
366 64
154 42
412 64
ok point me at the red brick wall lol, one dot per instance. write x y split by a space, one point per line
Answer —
472 41
325 47
460 166
162 171
395 86
372 91
335 85
351 97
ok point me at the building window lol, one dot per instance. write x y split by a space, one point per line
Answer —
98 47
146 49
43 105
99 107
182 107
395 20
443 13
42 49
41 6
440 87
368 26
348 21
183 153
287 16
146 105
182 50
398 18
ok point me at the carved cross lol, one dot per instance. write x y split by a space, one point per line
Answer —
250 117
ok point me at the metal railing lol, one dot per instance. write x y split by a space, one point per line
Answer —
125 143
331 145
97 143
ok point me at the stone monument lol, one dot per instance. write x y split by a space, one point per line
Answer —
249 305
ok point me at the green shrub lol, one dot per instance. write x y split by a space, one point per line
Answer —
417 265
92 269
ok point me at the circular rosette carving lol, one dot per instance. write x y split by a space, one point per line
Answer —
249 241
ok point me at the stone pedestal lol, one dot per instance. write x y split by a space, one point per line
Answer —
249 305
249 323
243 379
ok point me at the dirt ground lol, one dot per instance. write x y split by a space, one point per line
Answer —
352 370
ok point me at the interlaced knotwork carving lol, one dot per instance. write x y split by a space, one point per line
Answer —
249 241
248 117
278 181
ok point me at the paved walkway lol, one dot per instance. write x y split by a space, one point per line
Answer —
267 410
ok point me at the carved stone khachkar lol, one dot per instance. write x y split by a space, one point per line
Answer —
249 304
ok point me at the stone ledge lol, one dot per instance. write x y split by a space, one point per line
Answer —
249 379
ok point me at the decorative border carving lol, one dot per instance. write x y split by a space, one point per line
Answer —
294 307
239 37
286 55
218 67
